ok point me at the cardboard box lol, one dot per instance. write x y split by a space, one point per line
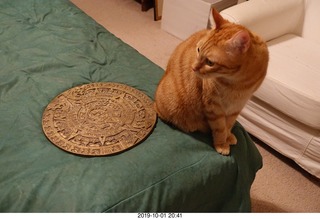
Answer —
182 18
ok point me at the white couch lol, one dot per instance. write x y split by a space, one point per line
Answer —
285 111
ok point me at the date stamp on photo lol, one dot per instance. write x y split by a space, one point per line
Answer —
159 215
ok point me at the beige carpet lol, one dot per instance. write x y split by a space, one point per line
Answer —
280 186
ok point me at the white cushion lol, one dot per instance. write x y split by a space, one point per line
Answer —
268 18
311 27
292 84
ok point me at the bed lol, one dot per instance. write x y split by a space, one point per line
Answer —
47 47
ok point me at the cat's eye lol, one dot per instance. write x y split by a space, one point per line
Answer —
198 49
209 63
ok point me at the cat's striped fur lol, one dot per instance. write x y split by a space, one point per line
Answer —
209 78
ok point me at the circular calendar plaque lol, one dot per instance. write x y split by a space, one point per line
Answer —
99 119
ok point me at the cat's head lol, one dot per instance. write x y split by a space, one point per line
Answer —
221 51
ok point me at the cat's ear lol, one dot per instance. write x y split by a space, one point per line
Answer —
218 19
240 42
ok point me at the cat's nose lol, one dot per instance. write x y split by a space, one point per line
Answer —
194 68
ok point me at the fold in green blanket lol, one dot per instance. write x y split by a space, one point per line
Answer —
47 47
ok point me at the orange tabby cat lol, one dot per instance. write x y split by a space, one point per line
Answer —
209 78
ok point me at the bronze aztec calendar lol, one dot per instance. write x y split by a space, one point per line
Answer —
99 119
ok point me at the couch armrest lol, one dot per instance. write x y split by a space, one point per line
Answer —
268 18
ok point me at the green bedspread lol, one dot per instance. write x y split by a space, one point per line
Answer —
47 47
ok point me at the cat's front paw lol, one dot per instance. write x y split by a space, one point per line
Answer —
223 149
232 140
